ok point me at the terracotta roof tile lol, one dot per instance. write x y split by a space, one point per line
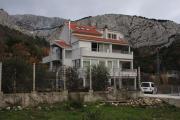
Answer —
96 39
62 43
88 30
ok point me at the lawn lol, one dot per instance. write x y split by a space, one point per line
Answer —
66 111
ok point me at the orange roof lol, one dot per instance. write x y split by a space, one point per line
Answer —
96 39
81 29
62 43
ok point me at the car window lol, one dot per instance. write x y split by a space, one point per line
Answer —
152 85
145 85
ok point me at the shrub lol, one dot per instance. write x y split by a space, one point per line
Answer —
92 115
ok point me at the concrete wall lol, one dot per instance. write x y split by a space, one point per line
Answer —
86 45
33 99
64 35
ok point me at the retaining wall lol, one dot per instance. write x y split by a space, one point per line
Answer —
33 99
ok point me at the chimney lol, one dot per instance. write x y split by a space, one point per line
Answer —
69 27
105 32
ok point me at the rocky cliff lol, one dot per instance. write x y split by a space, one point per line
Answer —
30 24
139 31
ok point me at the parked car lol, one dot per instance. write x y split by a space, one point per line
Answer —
148 87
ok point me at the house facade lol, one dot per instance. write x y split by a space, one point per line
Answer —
82 46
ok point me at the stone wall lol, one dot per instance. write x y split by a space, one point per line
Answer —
33 99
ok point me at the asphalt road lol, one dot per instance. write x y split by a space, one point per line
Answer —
168 96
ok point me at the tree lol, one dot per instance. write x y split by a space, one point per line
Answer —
100 76
16 75
72 79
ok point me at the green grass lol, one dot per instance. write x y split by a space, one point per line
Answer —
64 111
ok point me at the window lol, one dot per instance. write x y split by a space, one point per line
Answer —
112 36
109 64
68 54
145 85
115 64
94 46
102 62
109 35
86 63
77 63
126 65
100 47
94 62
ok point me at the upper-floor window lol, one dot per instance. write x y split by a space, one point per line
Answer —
112 36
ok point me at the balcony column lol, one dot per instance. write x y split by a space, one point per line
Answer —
120 83
51 66
132 66
135 84
63 56
129 49
110 48
115 85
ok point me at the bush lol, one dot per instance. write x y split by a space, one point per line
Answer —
16 75
100 76
71 105
92 115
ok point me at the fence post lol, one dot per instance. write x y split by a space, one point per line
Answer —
1 78
139 77
64 68
90 81
90 77
57 80
115 85
34 77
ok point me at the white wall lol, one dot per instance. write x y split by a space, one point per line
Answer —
64 35
86 45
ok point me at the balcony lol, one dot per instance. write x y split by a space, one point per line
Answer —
50 58
120 55
113 72
123 73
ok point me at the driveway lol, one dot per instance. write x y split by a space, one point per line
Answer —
166 96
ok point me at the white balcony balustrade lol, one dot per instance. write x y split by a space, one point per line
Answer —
50 58
88 53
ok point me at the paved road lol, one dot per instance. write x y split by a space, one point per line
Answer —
168 96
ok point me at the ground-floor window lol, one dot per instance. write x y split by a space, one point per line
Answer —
77 63
86 63
94 62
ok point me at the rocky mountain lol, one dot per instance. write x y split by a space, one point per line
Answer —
139 31
31 24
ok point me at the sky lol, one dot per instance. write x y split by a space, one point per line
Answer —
76 9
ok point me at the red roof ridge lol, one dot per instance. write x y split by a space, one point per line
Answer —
97 39
62 43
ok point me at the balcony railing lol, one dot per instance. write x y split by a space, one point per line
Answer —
50 58
113 51
89 53
113 72
123 73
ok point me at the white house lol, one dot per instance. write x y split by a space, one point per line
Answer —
82 46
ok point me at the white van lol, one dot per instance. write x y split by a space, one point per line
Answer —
148 87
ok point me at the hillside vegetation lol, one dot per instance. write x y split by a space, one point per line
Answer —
15 44
17 53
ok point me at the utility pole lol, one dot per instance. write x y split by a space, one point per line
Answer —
57 80
158 66
158 62
90 78
64 71
115 86
139 77
34 77
0 77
